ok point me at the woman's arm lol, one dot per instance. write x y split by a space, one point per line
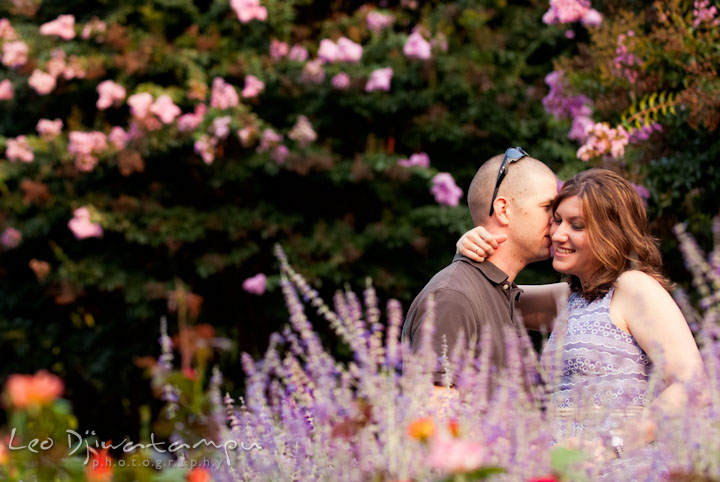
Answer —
539 304
659 327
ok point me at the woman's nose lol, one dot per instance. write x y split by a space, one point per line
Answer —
558 232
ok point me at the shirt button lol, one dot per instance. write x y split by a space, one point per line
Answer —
506 286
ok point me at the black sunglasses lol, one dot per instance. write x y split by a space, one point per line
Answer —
511 155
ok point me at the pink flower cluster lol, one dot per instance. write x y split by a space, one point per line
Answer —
59 64
165 109
142 104
15 54
313 72
86 146
10 238
42 82
190 121
253 86
345 50
224 95
603 140
6 90
220 126
110 93
561 105
704 13
49 129
419 159
94 27
269 139
445 190
81 225
455 456
205 148
567 11
278 49
416 47
249 10
379 80
7 32
302 132
255 284
340 81
118 137
18 149
298 53
377 21
63 27
626 63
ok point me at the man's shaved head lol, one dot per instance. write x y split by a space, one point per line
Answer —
520 181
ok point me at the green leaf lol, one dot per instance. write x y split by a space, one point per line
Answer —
561 459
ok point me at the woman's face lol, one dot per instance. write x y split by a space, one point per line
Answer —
569 239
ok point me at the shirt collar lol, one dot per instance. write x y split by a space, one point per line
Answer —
491 272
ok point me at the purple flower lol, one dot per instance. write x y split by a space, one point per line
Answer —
642 191
379 80
416 47
256 284
10 238
445 190
341 81
279 154
419 159
298 53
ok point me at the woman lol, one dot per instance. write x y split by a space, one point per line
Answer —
620 318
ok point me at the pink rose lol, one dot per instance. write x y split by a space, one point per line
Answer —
18 149
455 456
419 159
49 129
81 225
248 10
223 95
269 139
256 284
14 54
109 94
7 32
379 80
253 86
445 190
118 138
165 109
140 104
63 27
6 90
85 146
10 238
341 81
592 18
416 47
298 53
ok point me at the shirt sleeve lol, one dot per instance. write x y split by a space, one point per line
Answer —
453 314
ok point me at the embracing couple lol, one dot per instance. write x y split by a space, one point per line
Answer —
619 322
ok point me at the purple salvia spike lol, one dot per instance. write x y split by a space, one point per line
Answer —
395 320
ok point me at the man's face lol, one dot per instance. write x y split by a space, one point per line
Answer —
531 222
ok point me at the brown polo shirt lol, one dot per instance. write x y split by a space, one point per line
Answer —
471 297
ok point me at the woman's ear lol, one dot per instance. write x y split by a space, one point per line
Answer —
502 210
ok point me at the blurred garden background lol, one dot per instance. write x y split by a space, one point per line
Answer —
154 152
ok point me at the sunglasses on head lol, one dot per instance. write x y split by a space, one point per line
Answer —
511 155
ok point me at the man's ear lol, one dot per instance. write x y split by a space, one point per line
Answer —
502 210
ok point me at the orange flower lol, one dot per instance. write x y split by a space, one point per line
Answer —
421 428
454 428
199 474
100 466
33 390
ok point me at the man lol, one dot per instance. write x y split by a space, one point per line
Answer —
510 196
